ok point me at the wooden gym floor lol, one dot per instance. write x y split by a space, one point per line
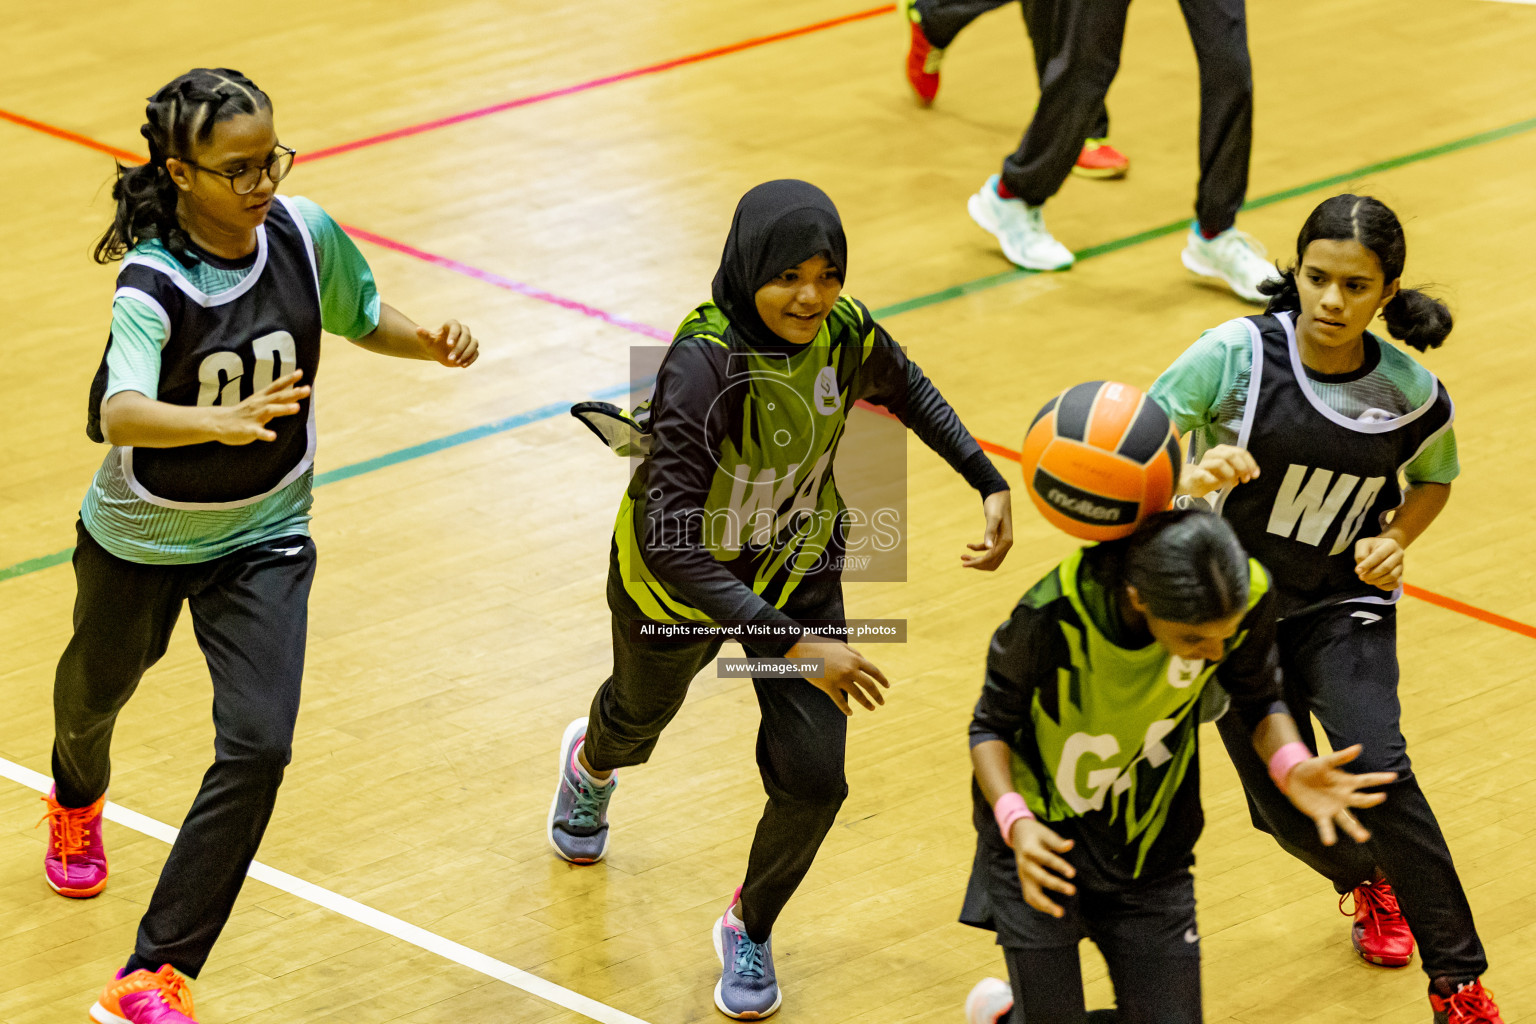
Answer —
458 622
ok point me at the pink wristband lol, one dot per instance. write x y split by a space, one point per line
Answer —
1010 807
1285 759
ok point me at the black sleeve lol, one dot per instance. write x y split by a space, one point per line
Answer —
681 467
1251 673
890 379
1018 662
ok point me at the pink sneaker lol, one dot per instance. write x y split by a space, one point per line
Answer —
76 862
144 998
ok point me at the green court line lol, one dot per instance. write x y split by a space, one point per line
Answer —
1007 276
896 309
34 564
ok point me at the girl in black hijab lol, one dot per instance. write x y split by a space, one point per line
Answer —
733 528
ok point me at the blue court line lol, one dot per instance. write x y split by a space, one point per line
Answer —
895 309
386 460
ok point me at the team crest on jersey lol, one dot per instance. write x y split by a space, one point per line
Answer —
1182 673
827 398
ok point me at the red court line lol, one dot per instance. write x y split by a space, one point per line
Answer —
507 284
1440 600
69 136
1448 603
1472 611
570 90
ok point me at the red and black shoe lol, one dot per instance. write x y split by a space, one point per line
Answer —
1380 934
1098 159
923 58
1469 1004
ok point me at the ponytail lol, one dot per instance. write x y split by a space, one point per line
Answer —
1412 317
1417 320
1283 296
179 117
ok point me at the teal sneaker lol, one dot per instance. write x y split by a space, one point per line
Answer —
578 815
748 988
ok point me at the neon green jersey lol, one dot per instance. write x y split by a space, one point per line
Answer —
1104 735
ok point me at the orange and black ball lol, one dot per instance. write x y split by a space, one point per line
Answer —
1099 458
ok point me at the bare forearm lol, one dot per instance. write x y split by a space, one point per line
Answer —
395 336
1422 503
991 762
1274 732
129 419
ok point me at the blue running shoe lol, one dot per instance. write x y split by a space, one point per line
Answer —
748 989
578 816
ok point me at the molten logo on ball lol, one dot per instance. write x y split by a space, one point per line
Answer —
1099 458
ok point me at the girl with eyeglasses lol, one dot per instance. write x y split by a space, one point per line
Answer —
205 394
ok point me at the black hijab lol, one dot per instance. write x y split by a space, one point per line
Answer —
778 225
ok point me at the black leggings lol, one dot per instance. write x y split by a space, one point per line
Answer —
943 19
250 613
1340 664
800 744
1148 990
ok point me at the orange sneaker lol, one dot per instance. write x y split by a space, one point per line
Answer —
1380 934
76 862
923 58
139 997
1100 160
1469 1004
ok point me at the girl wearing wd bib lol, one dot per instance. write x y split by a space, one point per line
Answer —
1302 422
1086 791
205 395
727 521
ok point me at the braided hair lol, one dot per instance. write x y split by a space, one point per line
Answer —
180 115
1413 317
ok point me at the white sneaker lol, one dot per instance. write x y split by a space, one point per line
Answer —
1020 228
989 1002
1234 256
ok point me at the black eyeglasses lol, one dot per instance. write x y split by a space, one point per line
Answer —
244 181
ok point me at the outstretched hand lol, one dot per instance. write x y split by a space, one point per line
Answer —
845 672
246 421
450 344
997 537
1223 465
1325 793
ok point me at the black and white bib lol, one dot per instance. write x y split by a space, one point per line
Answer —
1326 480
222 349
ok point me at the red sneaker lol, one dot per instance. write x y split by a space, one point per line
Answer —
1380 934
1097 160
76 862
1469 1004
923 58
144 998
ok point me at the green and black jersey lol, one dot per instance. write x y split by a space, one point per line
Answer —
1103 726
737 503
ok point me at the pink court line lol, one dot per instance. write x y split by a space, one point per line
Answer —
571 90
507 284
387 243
539 294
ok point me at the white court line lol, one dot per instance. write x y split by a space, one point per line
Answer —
361 913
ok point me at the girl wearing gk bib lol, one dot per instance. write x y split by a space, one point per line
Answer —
735 517
1302 421
1087 795
204 393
